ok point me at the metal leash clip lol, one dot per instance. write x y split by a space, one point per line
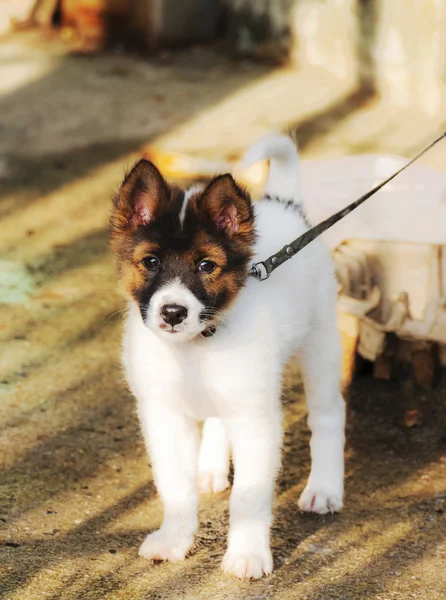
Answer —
258 272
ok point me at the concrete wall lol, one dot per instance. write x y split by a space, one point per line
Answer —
177 21
259 28
396 47
145 22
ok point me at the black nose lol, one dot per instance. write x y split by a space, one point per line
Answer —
173 313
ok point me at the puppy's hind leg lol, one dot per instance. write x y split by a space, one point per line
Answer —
320 362
213 462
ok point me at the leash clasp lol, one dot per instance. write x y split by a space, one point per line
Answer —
259 271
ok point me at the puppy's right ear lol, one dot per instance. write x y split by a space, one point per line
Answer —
140 197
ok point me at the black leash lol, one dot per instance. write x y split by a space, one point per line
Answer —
262 270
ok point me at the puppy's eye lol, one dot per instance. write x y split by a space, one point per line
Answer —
151 263
206 266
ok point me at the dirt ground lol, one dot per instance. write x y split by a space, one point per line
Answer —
77 497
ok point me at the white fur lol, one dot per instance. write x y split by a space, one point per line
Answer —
213 462
233 379
175 292
192 190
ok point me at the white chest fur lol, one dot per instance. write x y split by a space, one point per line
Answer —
203 377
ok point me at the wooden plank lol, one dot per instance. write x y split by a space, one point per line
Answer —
383 367
424 362
349 328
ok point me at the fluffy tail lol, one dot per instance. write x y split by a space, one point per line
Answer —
283 178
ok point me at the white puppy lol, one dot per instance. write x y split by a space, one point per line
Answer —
204 341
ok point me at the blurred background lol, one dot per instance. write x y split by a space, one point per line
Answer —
86 87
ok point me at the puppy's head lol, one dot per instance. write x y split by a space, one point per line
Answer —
182 257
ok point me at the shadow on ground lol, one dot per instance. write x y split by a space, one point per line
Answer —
77 497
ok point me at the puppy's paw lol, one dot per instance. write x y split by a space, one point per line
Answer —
320 501
210 482
162 545
248 565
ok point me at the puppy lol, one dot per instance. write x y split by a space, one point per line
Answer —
204 341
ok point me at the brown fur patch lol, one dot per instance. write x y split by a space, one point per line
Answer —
145 248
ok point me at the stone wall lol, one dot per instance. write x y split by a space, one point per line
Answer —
396 47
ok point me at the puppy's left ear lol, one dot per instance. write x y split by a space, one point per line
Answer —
228 206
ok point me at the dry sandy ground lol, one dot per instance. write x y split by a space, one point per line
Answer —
77 496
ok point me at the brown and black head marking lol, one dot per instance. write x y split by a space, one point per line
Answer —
206 244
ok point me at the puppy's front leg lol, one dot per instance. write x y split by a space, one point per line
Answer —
172 441
256 442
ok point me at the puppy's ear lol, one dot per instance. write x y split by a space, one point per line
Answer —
142 194
227 206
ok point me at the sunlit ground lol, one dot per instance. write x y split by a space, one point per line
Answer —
76 491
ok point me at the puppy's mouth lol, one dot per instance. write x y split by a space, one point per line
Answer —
205 329
180 331
170 328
